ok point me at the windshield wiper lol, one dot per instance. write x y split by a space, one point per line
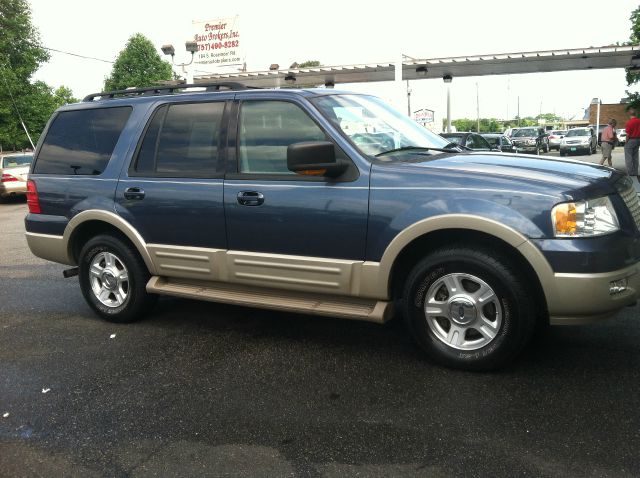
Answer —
415 148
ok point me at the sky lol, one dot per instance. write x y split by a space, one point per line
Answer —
352 32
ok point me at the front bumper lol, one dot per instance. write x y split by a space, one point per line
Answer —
588 298
575 148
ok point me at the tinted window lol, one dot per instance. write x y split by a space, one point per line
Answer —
475 141
493 140
182 140
455 139
81 142
266 129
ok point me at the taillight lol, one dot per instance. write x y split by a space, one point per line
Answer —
32 197
8 178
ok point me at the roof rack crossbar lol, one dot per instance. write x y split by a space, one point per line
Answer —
167 89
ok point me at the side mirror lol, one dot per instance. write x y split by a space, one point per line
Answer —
314 158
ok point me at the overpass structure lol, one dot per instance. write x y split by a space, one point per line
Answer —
627 56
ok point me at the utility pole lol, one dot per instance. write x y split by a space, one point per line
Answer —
477 107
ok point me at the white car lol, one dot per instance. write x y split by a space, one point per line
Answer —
622 136
14 169
555 137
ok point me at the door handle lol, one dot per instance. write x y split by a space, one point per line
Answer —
250 198
134 193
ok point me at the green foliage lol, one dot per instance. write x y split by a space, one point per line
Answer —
631 76
309 64
21 54
138 65
492 125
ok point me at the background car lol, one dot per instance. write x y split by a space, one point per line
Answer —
555 136
500 141
622 136
580 141
531 139
14 169
470 140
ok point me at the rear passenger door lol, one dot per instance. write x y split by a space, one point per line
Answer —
172 191
272 210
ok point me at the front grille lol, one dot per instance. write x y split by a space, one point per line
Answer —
630 198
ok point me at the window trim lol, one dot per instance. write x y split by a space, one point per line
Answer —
233 163
217 173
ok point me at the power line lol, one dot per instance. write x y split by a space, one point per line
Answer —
78 55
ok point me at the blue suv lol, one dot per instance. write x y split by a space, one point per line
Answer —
328 203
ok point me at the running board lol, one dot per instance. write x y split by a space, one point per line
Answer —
354 308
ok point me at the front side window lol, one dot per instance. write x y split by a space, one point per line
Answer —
81 141
266 129
182 140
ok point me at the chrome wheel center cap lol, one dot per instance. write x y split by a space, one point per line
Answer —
462 311
109 280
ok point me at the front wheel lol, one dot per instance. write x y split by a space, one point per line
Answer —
113 279
468 308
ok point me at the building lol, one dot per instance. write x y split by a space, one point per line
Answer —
616 111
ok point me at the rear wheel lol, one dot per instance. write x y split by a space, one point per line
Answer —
468 308
113 279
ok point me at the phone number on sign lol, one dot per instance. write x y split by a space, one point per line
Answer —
218 45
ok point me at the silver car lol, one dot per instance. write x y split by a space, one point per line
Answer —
14 169
579 141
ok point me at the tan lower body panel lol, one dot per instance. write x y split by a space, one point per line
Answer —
370 310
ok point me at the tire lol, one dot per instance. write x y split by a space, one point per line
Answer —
461 337
113 279
562 153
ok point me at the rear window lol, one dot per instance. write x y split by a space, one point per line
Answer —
17 160
81 142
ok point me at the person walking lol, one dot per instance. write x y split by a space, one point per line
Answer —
608 140
632 144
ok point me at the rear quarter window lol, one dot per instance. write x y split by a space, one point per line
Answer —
81 142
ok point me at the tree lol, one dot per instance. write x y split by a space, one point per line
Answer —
632 76
20 56
138 65
309 64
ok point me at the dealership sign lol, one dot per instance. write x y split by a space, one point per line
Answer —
423 116
219 42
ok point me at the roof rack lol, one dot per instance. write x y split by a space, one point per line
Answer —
168 90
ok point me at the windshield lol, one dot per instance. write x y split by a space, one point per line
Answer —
579 132
17 160
375 127
525 132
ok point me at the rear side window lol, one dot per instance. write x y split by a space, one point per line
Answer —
81 142
182 140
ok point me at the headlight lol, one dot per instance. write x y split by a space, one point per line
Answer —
531 141
585 140
594 217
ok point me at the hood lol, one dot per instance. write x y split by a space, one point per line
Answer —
558 176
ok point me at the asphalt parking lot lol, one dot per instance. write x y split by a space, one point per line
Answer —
201 389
